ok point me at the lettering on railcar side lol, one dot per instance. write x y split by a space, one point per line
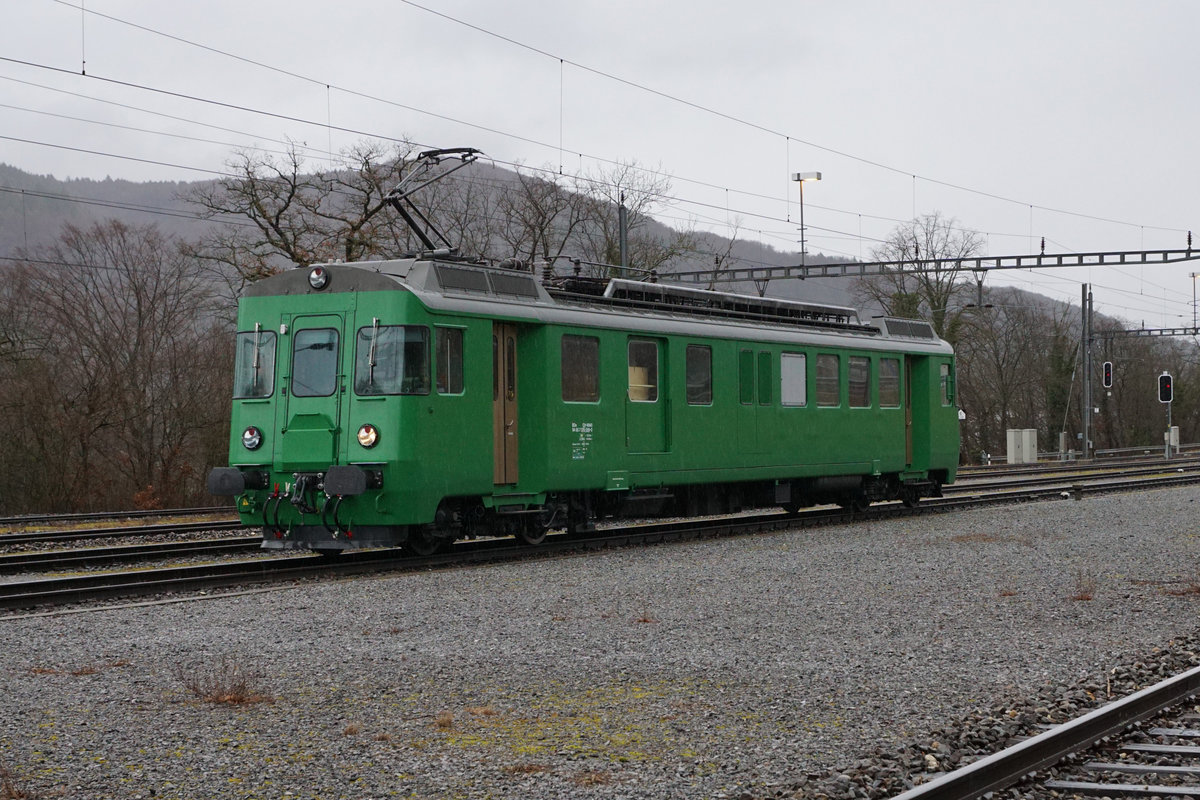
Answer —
583 440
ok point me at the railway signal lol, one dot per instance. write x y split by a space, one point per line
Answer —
1166 388
1107 379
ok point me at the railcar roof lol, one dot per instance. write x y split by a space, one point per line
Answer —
624 304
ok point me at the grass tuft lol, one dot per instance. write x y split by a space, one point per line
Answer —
353 729
1085 586
223 683
592 777
444 720
526 769
9 788
482 711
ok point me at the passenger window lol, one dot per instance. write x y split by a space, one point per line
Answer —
764 378
643 371
254 372
314 362
392 359
449 360
699 375
746 377
947 384
828 380
793 379
889 382
860 382
580 369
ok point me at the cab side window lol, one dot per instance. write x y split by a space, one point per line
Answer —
449 343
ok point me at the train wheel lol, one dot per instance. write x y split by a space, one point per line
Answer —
532 536
856 502
909 497
420 543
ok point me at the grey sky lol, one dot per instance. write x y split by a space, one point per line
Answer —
1086 107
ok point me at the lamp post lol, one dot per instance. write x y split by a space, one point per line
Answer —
801 177
1194 274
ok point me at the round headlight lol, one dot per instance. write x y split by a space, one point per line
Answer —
252 438
368 435
318 278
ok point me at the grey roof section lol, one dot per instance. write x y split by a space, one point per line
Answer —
515 295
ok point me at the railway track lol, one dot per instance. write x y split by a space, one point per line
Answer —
1146 762
127 531
22 520
52 591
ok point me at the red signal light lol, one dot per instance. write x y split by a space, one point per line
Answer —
1166 389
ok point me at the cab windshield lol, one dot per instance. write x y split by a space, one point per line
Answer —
392 359
254 371
314 362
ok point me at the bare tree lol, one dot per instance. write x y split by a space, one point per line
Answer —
639 191
917 288
275 213
124 372
540 217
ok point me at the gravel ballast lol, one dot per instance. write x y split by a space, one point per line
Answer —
768 665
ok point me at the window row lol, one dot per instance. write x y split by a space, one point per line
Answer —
388 360
756 379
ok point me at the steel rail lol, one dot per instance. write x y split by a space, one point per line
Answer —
87 516
1041 467
274 568
125 530
972 482
1003 769
96 556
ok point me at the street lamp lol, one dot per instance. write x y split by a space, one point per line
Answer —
801 177
1194 274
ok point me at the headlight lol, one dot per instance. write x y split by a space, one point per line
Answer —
318 278
368 435
252 438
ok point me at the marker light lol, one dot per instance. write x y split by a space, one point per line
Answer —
252 438
318 278
368 435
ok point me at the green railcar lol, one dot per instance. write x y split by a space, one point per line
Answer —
416 402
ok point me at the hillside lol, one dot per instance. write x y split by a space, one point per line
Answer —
34 208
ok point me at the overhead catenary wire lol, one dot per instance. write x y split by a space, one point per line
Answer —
663 197
616 78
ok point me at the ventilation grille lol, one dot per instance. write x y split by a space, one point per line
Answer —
456 279
909 328
518 285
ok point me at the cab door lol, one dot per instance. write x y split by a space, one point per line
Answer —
505 427
313 390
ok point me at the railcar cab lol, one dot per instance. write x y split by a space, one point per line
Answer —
416 401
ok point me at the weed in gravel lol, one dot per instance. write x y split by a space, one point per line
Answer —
9 788
87 669
1085 586
223 683
964 538
384 737
592 777
444 720
526 769
1192 587
482 711
353 729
